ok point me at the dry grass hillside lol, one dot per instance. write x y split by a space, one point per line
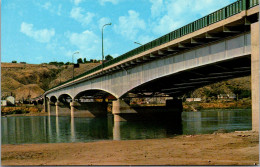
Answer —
67 72
240 86
31 80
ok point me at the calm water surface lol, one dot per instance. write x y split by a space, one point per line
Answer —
45 129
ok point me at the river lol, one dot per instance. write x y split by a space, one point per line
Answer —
51 129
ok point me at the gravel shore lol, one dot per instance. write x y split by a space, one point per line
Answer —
236 148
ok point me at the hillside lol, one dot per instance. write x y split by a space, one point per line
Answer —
31 80
239 86
66 73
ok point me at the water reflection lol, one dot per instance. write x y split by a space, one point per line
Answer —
57 129
72 129
210 121
116 131
51 129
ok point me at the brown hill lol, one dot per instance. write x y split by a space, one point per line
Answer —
66 72
31 80
240 86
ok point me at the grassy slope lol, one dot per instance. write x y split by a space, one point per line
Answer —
32 79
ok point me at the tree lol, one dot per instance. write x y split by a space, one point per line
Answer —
85 60
108 57
14 61
79 61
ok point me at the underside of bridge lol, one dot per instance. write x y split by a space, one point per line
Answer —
94 95
183 82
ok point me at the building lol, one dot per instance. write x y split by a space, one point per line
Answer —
10 100
3 103
226 96
193 99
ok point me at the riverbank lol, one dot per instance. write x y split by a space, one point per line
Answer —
218 104
237 148
22 111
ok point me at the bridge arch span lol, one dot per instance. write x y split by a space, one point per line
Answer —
65 98
95 93
53 99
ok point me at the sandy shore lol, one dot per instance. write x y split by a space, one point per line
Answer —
237 148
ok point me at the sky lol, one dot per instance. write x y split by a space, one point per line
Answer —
42 31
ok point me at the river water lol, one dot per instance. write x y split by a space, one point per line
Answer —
51 129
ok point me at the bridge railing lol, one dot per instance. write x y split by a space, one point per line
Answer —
221 14
253 3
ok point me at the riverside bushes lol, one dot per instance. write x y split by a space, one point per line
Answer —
198 106
18 110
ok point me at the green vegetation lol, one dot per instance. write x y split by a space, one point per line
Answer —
108 57
80 61
217 104
56 63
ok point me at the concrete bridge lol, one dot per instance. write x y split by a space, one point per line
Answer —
220 46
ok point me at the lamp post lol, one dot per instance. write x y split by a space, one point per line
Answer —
77 52
103 44
138 43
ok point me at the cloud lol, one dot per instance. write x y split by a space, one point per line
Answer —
77 2
129 26
79 15
87 42
59 10
166 24
157 7
51 8
42 35
102 2
47 5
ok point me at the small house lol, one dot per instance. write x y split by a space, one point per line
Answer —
3 103
10 100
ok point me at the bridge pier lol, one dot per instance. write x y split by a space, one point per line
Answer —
124 112
255 70
45 106
57 108
89 109
72 108
49 107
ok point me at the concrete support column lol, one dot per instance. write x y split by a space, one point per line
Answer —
72 108
116 131
255 70
49 107
45 104
57 108
120 107
118 118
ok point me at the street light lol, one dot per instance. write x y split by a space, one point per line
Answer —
77 52
103 44
138 43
